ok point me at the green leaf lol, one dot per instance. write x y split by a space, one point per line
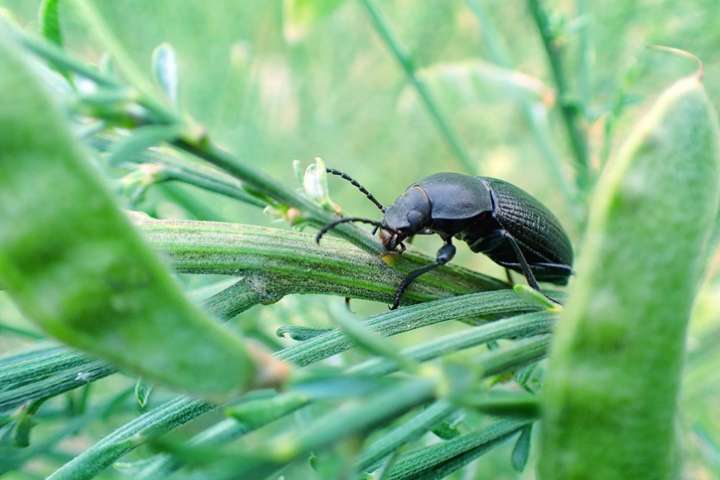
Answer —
533 296
521 450
611 388
50 21
74 265
299 16
129 149
299 333
256 413
143 391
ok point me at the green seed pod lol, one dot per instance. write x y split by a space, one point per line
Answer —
73 263
612 385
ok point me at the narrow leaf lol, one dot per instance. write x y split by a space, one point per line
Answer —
130 148
50 21
521 450
143 391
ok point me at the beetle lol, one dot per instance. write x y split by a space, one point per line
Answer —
492 216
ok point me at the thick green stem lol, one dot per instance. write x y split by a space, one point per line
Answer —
611 391
279 262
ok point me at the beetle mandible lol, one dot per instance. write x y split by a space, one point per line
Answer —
492 216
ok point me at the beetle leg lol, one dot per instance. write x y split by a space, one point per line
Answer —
508 276
523 262
444 255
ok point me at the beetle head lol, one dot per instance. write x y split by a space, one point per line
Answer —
408 215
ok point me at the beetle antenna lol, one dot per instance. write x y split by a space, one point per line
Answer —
357 185
334 224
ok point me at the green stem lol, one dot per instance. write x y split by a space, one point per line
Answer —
514 327
405 433
403 59
584 51
466 307
283 262
20 332
165 417
526 351
210 183
498 54
439 461
256 461
312 212
571 115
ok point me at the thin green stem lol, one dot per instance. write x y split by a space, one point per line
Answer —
211 183
440 460
312 213
58 58
530 324
405 433
20 332
249 458
569 110
582 8
536 120
403 59
183 409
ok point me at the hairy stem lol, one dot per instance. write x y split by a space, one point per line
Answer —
278 262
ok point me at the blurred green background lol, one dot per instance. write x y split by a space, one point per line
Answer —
273 94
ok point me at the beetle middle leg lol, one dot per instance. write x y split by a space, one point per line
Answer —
444 255
508 277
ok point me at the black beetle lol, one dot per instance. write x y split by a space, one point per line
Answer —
492 216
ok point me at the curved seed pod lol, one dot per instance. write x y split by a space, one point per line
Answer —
73 263
611 390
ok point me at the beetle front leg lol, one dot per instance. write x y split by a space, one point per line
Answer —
444 255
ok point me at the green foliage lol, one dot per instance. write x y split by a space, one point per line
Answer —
191 113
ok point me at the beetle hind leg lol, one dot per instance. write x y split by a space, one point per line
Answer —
524 265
